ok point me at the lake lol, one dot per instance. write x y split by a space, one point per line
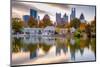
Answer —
43 50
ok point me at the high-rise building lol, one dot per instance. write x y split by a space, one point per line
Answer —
58 18
73 14
33 13
26 18
82 18
38 18
65 18
61 20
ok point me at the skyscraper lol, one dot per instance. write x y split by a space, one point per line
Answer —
73 14
65 18
38 18
26 18
58 18
82 18
61 20
33 13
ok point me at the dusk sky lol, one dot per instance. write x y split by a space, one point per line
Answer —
23 8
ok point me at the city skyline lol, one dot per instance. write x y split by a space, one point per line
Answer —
50 33
23 8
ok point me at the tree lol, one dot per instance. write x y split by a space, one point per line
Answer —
41 24
82 26
46 47
17 24
16 44
75 23
66 25
46 21
32 22
93 25
60 26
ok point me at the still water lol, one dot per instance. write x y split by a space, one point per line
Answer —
42 50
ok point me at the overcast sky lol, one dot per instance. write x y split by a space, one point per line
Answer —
23 8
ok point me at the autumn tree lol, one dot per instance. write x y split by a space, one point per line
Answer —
41 24
88 29
46 21
93 25
82 26
32 22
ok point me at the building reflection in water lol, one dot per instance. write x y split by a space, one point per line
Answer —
61 45
34 43
72 48
65 45
33 54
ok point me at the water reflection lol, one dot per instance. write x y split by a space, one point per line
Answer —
61 44
76 49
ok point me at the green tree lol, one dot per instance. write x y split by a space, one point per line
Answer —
17 24
75 23
16 45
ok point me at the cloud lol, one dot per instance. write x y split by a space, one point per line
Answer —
23 6
61 6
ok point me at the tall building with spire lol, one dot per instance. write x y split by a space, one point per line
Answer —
82 18
73 14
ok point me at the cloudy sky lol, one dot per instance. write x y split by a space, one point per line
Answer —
23 8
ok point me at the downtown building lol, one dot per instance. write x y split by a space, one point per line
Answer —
33 13
82 18
61 20
73 14
26 18
65 18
